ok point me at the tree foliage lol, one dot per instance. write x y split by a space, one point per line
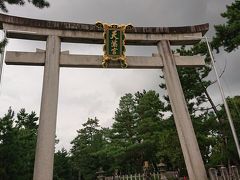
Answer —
3 7
17 145
139 133
230 153
228 34
37 3
62 165
85 146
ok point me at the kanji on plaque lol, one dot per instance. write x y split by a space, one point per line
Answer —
114 46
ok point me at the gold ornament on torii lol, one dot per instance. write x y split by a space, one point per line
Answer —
114 43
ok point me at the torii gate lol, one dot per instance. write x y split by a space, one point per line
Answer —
52 59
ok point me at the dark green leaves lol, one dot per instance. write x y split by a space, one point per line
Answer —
36 3
228 34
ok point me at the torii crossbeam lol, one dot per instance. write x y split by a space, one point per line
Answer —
52 59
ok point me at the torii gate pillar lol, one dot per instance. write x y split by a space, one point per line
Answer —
44 156
187 137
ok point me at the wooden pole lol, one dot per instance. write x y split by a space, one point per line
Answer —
186 134
44 157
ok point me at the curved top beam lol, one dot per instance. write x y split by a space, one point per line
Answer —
16 26
203 28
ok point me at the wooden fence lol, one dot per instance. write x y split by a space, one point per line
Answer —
222 173
153 176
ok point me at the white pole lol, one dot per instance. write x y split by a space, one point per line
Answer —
223 98
2 57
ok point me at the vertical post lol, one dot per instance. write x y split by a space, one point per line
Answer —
213 174
44 157
187 137
2 57
79 175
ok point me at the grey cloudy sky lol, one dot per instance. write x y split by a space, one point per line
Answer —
96 92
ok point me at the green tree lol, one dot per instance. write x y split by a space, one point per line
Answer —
149 110
62 165
125 121
169 149
17 145
228 34
37 3
135 131
230 153
84 157
7 145
193 79
123 134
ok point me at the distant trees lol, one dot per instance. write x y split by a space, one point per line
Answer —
135 131
62 165
230 153
84 153
139 133
17 145
145 135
